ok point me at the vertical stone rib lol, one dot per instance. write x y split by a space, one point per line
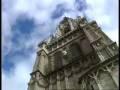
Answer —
52 63
50 85
66 82
68 73
58 82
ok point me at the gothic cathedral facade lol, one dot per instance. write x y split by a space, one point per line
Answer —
80 56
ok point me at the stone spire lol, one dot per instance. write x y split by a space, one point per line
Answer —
64 26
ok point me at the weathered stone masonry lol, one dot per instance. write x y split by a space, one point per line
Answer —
80 56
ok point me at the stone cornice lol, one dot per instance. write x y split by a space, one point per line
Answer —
78 37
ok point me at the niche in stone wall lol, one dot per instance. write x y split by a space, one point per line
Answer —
85 46
58 60
75 51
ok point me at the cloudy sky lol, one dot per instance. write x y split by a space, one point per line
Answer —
26 22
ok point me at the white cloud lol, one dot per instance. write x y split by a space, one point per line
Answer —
6 33
113 35
105 12
18 78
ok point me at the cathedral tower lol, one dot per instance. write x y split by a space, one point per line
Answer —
82 57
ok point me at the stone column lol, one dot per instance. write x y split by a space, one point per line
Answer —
83 84
67 82
75 71
68 77
58 82
50 85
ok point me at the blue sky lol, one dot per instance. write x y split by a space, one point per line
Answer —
26 22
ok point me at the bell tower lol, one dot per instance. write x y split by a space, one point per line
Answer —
83 57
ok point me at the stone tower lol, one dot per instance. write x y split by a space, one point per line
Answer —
79 56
